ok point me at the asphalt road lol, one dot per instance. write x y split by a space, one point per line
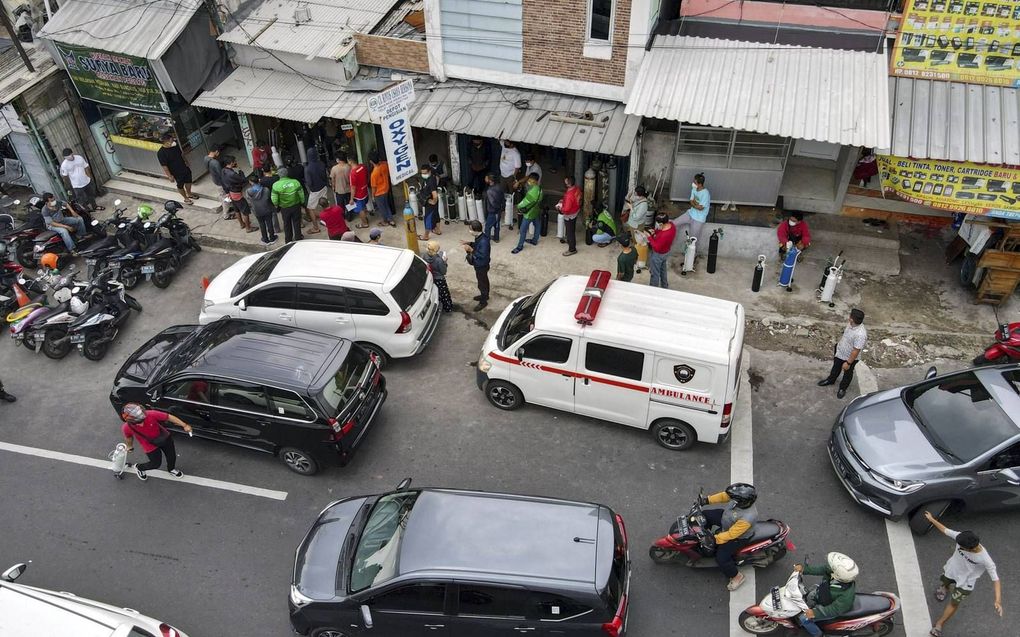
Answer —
217 562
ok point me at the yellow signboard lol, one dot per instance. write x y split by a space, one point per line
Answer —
137 143
960 40
955 186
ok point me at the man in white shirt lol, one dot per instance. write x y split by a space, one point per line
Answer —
847 352
962 570
509 165
76 170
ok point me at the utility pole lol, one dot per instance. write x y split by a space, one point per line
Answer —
14 38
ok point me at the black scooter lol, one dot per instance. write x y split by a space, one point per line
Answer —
96 328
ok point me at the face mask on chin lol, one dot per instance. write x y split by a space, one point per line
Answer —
793 222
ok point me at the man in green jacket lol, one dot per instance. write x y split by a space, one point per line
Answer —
834 596
529 208
289 197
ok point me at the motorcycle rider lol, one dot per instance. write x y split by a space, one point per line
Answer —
736 523
63 224
834 596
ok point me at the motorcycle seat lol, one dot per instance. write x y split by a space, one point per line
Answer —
44 236
866 604
764 531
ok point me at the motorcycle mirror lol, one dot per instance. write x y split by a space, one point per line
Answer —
14 572
406 482
931 373
366 615
95 222
1009 476
116 202
17 201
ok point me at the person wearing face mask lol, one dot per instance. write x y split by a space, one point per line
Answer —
530 167
478 255
509 165
694 219
175 167
569 207
793 231
61 218
660 240
847 352
262 206
428 195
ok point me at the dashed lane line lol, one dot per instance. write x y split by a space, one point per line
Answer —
159 475
742 470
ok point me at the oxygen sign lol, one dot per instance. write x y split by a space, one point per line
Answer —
399 145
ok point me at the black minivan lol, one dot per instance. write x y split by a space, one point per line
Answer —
461 563
306 397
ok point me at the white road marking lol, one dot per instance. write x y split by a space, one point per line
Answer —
160 475
916 617
742 470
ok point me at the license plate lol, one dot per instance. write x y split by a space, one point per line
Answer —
148 269
77 338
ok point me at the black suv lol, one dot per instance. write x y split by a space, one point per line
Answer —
461 563
304 396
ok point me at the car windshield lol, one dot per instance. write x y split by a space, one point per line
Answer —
375 560
344 383
410 287
959 416
260 270
521 319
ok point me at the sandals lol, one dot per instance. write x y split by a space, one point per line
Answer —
935 631
189 201
735 583
362 226
940 593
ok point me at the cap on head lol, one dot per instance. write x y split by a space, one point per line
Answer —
283 173
132 412
857 316
968 540
374 233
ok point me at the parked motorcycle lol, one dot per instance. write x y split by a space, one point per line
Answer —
98 326
870 616
123 235
20 237
24 317
691 539
127 264
16 289
1005 349
51 242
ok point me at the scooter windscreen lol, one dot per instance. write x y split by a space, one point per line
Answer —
787 600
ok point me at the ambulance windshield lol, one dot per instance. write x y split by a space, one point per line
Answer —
521 319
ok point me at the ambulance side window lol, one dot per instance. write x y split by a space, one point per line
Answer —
614 361
552 349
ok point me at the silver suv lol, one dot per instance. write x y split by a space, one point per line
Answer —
947 441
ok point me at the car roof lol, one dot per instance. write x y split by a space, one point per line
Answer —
344 259
259 352
466 532
26 610
645 317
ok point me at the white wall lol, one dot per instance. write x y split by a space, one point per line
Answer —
316 67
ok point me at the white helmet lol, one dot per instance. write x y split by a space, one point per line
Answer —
843 568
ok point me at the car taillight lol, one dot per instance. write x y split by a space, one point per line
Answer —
339 431
166 630
614 627
727 413
405 323
623 532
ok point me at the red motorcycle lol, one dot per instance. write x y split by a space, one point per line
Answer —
692 540
870 616
1005 349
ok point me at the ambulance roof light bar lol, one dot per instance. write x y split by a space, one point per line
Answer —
591 298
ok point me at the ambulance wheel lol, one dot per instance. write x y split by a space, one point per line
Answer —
504 395
674 434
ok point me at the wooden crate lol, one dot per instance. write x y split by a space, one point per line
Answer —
1000 259
997 286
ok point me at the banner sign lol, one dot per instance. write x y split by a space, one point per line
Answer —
960 40
400 94
113 78
396 130
954 186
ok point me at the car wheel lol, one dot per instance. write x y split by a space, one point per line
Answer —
756 625
675 435
380 355
327 632
504 395
299 461
918 523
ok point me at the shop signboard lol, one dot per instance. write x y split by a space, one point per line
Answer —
955 186
112 78
960 41
390 106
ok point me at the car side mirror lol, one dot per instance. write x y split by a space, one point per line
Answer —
14 572
520 353
242 305
1009 475
366 615
931 373
406 482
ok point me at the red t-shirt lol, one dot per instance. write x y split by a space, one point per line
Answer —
150 428
359 181
333 217
259 157
661 240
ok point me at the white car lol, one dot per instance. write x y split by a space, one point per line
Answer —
27 611
380 297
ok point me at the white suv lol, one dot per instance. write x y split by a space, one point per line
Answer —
380 297
27 611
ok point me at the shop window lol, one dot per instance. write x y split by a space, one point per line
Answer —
728 148
600 20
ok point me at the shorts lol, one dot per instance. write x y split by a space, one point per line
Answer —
956 594
431 218
313 199
359 205
183 178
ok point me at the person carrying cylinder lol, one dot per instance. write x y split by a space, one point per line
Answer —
793 231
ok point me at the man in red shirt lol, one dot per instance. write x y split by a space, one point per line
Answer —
260 156
569 206
359 193
333 218
660 240
147 426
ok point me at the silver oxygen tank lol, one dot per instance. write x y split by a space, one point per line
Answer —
690 251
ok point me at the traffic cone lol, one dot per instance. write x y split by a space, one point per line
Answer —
19 294
205 283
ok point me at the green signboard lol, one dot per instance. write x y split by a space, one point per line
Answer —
113 78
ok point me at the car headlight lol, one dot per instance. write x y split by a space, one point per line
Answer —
902 486
484 364
298 598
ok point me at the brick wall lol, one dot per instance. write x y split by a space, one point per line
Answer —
554 35
391 53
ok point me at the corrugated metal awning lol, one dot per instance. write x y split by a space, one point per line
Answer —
955 121
273 94
142 29
806 93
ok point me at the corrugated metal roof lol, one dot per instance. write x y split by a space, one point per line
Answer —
143 29
955 121
275 27
17 79
393 25
804 93
272 94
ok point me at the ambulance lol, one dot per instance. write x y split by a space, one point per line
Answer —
641 356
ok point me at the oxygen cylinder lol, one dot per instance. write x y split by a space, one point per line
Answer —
508 211
713 250
786 276
479 206
277 157
118 459
561 228
469 203
830 286
301 150
410 227
412 201
690 251
451 206
444 212
462 210
589 193
825 273
544 223
759 273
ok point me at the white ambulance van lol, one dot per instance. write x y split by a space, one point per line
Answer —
650 358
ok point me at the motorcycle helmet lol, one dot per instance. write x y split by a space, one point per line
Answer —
144 212
843 568
742 493
132 412
172 206
48 261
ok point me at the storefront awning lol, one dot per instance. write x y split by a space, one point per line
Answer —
273 94
141 29
824 95
955 121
